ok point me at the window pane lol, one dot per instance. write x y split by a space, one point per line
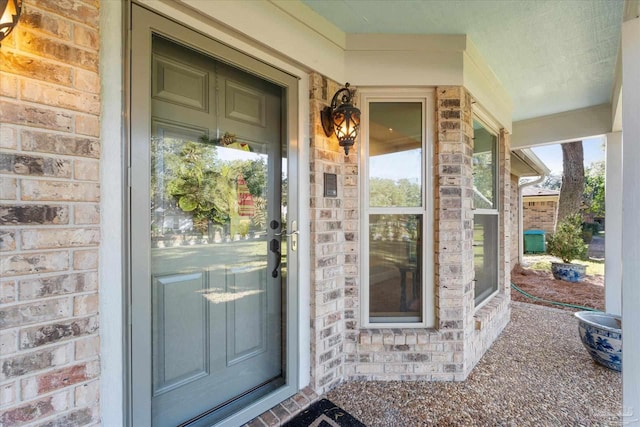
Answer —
485 255
395 268
484 167
395 154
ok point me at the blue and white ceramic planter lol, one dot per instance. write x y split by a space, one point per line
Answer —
568 272
601 335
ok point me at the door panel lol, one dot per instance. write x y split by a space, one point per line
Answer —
180 327
209 156
246 314
244 104
179 83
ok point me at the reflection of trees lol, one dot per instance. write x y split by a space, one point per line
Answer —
394 227
190 182
385 192
483 180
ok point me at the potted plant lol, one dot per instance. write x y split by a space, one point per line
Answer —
567 244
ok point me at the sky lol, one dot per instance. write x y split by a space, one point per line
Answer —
551 155
406 164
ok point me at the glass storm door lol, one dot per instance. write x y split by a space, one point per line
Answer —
212 270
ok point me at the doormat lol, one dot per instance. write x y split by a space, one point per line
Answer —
324 413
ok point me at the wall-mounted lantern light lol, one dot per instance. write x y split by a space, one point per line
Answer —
343 119
9 15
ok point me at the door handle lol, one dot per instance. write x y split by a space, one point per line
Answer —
294 240
293 235
287 234
274 246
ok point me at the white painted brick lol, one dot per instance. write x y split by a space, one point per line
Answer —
8 138
85 259
87 214
85 304
8 394
87 394
8 342
7 291
8 188
59 238
369 368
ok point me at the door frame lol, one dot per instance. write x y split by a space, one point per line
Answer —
139 351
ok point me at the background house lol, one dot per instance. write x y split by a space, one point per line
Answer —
540 208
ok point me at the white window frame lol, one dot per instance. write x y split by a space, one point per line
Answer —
483 117
426 97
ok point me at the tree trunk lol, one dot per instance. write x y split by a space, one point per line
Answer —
572 180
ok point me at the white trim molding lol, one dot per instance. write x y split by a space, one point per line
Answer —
630 223
112 217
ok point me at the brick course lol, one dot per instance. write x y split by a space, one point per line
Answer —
540 213
49 216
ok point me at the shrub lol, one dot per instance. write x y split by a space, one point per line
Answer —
566 243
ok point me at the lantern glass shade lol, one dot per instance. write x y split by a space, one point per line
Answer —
346 124
343 119
9 15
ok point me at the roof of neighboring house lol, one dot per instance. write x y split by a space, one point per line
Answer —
524 162
537 191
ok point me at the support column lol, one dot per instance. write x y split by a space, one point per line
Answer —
613 225
630 223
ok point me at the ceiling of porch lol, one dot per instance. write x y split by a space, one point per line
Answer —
550 55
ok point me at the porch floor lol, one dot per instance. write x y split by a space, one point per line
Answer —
536 373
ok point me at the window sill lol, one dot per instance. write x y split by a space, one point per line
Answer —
396 336
488 311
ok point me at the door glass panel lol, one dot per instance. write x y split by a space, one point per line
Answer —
395 154
395 268
216 181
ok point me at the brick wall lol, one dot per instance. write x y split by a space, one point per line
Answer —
49 215
540 213
334 242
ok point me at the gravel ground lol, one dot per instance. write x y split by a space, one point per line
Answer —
536 374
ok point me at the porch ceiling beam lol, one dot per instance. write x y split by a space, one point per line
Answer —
562 127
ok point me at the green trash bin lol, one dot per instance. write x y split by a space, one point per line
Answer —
534 242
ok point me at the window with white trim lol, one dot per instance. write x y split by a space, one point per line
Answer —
396 210
486 213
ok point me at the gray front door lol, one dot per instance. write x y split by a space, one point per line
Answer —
208 211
